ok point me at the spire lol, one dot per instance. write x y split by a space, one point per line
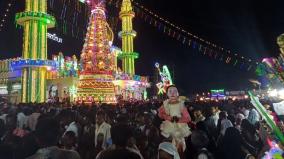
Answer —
35 22
96 49
126 6
95 81
127 35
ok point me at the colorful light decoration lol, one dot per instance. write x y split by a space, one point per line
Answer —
260 108
35 22
20 64
271 70
218 93
65 66
178 32
127 35
98 64
275 152
166 79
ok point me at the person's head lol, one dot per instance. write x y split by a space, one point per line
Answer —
69 139
131 142
197 113
230 100
214 110
232 142
122 119
140 118
148 119
120 133
100 117
248 130
167 151
142 141
233 136
47 132
172 92
11 121
239 118
201 125
66 117
199 139
223 115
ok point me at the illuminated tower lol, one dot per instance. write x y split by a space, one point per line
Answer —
280 42
35 22
95 82
127 35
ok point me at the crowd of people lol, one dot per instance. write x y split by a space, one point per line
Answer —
130 130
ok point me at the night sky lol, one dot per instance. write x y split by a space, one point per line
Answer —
246 27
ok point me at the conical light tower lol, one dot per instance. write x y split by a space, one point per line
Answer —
95 84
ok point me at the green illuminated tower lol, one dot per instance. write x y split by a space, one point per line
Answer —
35 22
127 35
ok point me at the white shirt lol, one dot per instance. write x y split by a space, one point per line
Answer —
3 117
21 120
253 116
225 123
246 113
72 127
215 118
104 129
173 109
32 120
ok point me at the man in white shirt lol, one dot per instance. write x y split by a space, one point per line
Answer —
72 127
253 116
68 120
21 120
3 117
102 128
32 119
47 132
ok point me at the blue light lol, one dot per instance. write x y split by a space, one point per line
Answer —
32 63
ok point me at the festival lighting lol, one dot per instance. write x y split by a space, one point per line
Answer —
98 64
35 22
179 33
23 63
261 109
127 35
166 79
5 14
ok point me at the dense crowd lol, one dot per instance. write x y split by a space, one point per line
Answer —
130 130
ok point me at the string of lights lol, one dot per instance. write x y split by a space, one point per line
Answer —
205 47
197 43
5 14
173 29
151 13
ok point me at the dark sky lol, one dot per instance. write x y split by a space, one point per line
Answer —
247 27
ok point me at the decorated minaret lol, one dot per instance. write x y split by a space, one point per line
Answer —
35 22
280 42
127 35
95 81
